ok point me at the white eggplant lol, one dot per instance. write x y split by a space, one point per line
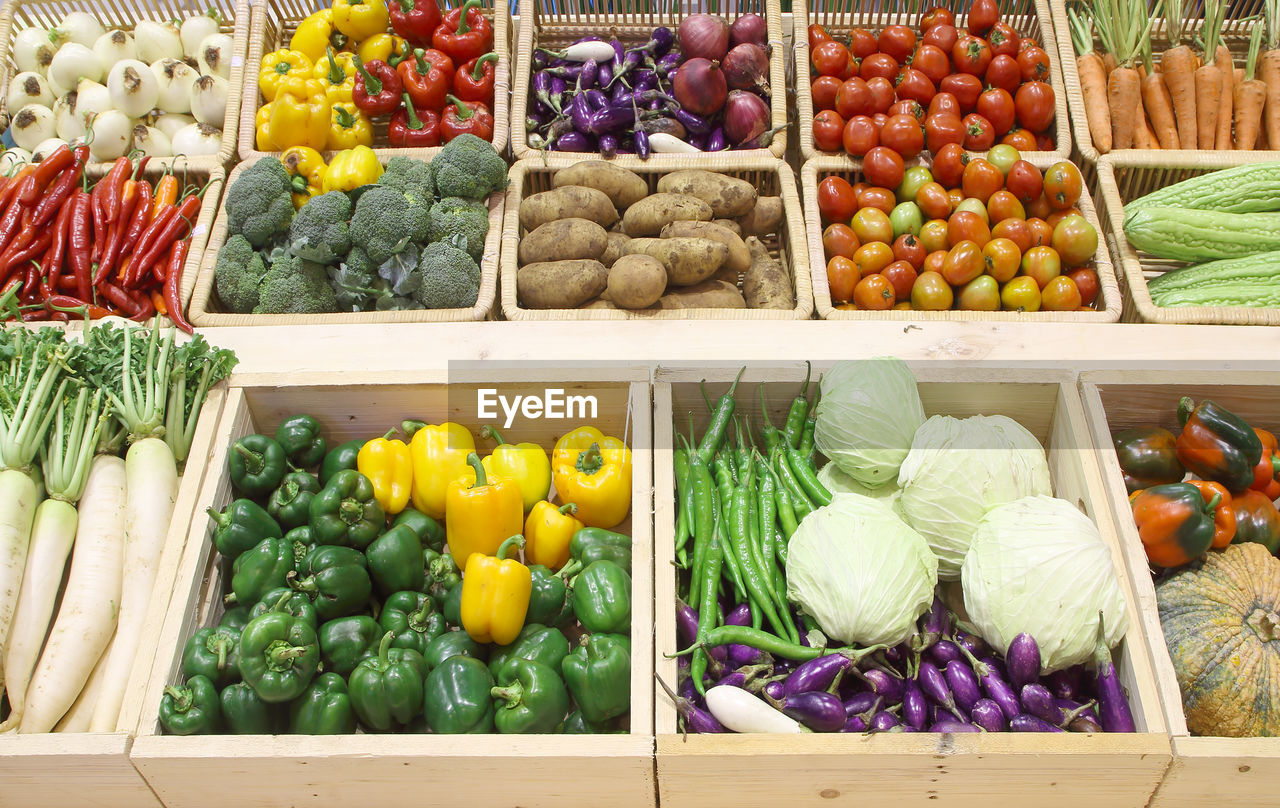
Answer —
33 50
169 123
740 711
157 40
209 100
214 56
73 62
133 87
111 131
28 87
197 139
195 29
113 47
174 78
32 125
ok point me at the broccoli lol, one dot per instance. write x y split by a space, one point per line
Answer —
410 177
260 202
452 216
319 231
450 279
468 167
296 286
237 274
382 223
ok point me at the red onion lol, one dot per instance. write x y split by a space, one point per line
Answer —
749 28
705 36
745 116
746 67
700 86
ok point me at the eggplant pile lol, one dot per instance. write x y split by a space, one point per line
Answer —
703 87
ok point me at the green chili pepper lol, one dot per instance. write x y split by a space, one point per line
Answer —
530 698
395 561
536 642
279 655
386 690
246 713
347 641
346 511
336 579
808 480
680 468
257 465
714 434
213 653
340 458
240 526
602 598
190 709
429 531
323 709
457 697
413 619
299 436
453 643
799 409
256 572
290 503
598 674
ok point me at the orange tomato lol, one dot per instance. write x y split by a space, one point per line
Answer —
842 277
1002 259
1004 205
1016 230
872 224
902 276
872 257
933 235
839 239
931 292
1020 294
1060 294
964 263
933 201
1063 185
966 226
874 293
1042 265
1041 233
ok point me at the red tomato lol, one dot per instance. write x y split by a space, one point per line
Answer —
860 135
878 119
1020 139
932 61
1003 73
971 55
941 129
874 292
1034 103
907 247
915 85
932 200
1027 42
931 292
965 88
1014 230
1004 205
996 105
966 226
935 259
1058 215
981 179
852 69
881 199
839 239
1061 294
818 35
1002 258
884 167
948 165
1087 283
944 103
982 15
862 43
1003 39
903 134
1075 240
836 199
979 134
964 263
1033 64
1044 141
907 106
828 127
842 277
1041 232
824 89
942 35
1024 181
874 256
901 276
830 58
938 15
879 64
1062 185
1038 208
853 98
1041 264
882 94
898 41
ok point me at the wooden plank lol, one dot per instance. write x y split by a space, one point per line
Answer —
38 771
1207 770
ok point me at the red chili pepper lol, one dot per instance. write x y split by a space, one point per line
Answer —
138 222
9 223
46 170
184 218
439 60
32 283
173 286
119 298
57 194
425 83
26 235
67 304
464 117
142 300
118 225
79 245
148 237
474 80
378 87
415 20
36 316
99 221
53 259
114 188
464 37
409 128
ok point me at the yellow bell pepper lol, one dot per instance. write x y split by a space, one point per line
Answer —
315 34
295 121
495 595
526 463
387 464
306 167
477 517
594 472
387 47
548 531
439 454
351 168
338 73
360 19
280 65
348 127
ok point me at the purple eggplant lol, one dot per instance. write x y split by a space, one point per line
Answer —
1085 723
556 94
1113 707
886 684
696 124
963 683
1074 709
716 140
855 723
934 686
596 99
914 707
738 655
943 652
660 42
540 60
896 655
932 626
950 725
699 142
543 89
1038 701
973 643
988 715
1065 684
739 615
618 51
605 76
816 674
884 721
1023 661
993 684
580 112
861 703
666 65
573 142
1031 723
643 80
735 678
687 689
566 72
687 631
695 719
607 145
532 124
774 690
820 712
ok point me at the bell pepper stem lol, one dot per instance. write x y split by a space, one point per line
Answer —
181 697
281 654
283 67
569 508
343 118
420 64
510 694
406 6
571 569
489 432
478 73
412 121
411 427
418 619
222 653
390 433
464 112
473 460
230 599
221 519
278 606
590 461
336 74
516 541
463 25
305 585
1213 503
384 648
299 184
351 511
372 84
1185 408
254 461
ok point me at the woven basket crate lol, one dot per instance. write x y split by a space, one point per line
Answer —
20 14
557 23
771 177
1028 17
1235 35
819 167
1121 181
272 26
206 310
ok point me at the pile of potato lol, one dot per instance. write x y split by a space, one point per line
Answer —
599 239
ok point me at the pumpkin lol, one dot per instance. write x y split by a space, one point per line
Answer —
1221 621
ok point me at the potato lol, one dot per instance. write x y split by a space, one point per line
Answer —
636 281
764 219
727 196
687 260
739 259
705 295
568 202
602 303
729 224
560 284
624 187
564 240
648 216
616 248
767 284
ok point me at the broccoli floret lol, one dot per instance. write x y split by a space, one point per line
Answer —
260 202
468 167
410 177
450 279
237 273
319 231
381 223
452 216
296 286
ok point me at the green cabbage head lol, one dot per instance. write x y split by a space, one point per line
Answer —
865 419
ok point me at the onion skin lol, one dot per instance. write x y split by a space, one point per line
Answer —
704 36
700 86
746 67
746 116
749 28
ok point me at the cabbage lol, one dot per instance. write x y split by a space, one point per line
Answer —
836 481
958 470
865 419
1039 566
860 571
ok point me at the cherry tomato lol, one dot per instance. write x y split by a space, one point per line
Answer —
979 134
980 294
942 35
965 88
1003 73
944 103
842 277
836 199
981 179
1014 230
931 292
1024 181
941 129
860 135
996 105
1002 259
1058 215
1041 264
1027 42
938 15
933 202
872 224
862 43
839 239
1021 140
1075 240
971 55
901 276
882 95
1061 294
874 293
898 41
913 179
1034 102
1039 208
1033 64
1004 40
828 127
853 98
1020 294
823 89
948 165
933 261
1063 185
882 199
1003 157
830 58
884 166
1086 281
982 15
964 263
966 226
818 35
1041 232
907 247
903 134
1004 205
873 257
915 85
933 236
908 106
933 62
879 64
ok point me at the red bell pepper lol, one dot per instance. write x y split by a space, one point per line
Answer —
1268 469
425 83
378 87
439 60
474 80
410 128
466 117
465 33
415 20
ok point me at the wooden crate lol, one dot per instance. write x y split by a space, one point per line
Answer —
93 768
815 170
1030 18
20 14
558 23
483 770
273 24
1205 770
1122 180
919 769
206 310
772 177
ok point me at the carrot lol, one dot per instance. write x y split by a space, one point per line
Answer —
1176 66
1222 58
1093 81
1143 137
1155 98
1250 96
1124 98
1129 24
1269 72
1208 78
1109 62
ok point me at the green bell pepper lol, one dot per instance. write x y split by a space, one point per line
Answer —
452 606
304 541
279 656
602 599
598 674
257 465
190 709
457 697
453 643
413 618
576 724
257 571
324 709
442 574
430 532
240 526
548 598
1216 444
534 642
246 713
395 561
1148 457
386 690
299 436
346 512
347 641
592 544
340 458
336 579
289 601
290 503
237 617
530 698
213 653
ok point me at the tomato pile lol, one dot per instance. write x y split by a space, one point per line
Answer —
978 234
970 86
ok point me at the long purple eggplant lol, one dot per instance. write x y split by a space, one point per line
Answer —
1113 707
1022 659
695 719
943 652
884 721
816 674
963 683
972 643
1075 709
643 80
1085 724
716 141
696 124
1065 684
660 42
605 76
934 686
950 725
933 625
572 142
884 683
855 723
608 146
1038 701
1031 723
542 89
580 112
687 630
820 712
994 685
666 66
988 715
618 51
861 703
596 99
914 707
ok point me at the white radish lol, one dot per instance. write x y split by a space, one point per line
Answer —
740 711
33 50
174 78
92 98
28 88
151 141
81 713
69 121
112 130
209 100
13 158
197 139
195 29
157 40
171 122
79 27
45 148
17 512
